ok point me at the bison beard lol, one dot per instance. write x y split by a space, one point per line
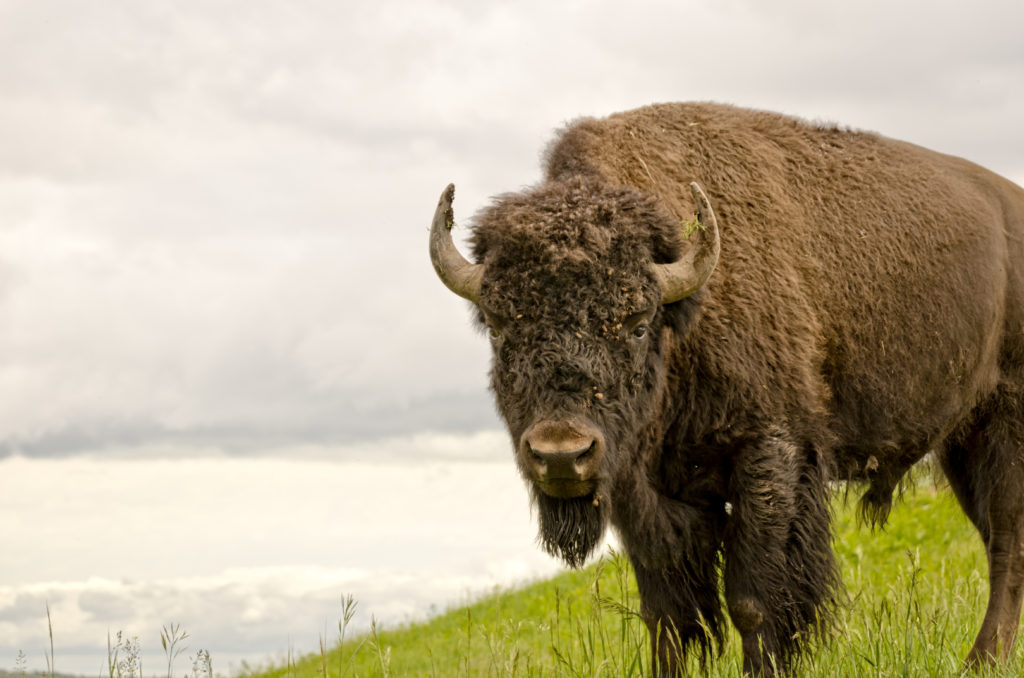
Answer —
570 529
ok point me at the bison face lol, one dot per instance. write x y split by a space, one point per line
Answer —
569 379
573 386
570 288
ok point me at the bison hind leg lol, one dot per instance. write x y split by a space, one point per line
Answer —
984 464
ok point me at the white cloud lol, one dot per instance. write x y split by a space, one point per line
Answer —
251 554
252 615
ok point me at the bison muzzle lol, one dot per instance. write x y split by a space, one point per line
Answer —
705 317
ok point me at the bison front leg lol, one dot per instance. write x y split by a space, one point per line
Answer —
675 548
681 610
780 574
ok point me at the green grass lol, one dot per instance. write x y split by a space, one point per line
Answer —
916 592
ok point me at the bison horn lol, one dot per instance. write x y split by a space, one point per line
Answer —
461 276
682 278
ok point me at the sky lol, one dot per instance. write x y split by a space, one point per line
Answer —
213 248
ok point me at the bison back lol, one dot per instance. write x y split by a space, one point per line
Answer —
861 277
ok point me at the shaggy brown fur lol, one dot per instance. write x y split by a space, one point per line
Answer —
867 307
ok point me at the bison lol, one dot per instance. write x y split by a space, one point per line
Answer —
705 318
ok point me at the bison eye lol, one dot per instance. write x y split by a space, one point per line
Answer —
637 325
493 333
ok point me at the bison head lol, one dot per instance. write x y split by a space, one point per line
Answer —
571 286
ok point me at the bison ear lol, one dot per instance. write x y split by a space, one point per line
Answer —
682 278
462 277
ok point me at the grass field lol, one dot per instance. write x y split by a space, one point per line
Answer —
915 596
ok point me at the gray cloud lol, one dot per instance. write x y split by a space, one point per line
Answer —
26 607
347 421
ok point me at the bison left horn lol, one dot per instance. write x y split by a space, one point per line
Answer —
461 276
682 278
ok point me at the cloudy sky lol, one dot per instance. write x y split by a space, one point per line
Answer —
213 262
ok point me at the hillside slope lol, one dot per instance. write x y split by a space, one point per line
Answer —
916 595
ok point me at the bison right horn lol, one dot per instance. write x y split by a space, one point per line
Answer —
461 276
682 278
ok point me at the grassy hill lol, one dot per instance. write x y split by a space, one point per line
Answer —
916 591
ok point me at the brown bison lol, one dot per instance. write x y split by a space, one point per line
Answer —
841 305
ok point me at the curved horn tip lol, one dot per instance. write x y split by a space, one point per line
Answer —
698 193
444 204
448 195
707 215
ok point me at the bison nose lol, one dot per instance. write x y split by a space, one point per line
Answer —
559 464
562 451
